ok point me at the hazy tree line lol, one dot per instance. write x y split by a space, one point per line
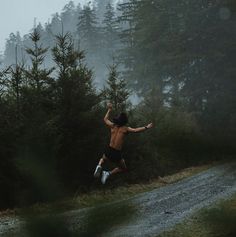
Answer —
178 56
94 29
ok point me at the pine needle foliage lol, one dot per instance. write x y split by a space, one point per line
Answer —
116 91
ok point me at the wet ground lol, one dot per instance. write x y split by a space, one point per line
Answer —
147 214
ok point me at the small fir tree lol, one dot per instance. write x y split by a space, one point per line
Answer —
116 91
37 77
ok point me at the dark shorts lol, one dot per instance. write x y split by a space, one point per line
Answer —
113 154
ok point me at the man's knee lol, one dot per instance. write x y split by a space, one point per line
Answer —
123 168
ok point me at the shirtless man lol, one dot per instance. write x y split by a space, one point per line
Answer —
113 151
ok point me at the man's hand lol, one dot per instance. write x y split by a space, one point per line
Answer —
106 118
109 106
140 129
150 125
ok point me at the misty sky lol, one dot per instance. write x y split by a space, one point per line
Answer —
18 15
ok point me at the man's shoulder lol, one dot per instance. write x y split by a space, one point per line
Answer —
125 128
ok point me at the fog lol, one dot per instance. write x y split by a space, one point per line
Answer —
51 21
19 15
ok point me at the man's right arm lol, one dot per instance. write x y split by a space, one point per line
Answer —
140 129
106 118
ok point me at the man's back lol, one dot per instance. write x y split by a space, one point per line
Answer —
117 137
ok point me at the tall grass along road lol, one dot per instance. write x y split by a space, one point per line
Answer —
146 214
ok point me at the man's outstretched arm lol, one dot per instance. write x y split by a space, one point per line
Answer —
106 118
140 129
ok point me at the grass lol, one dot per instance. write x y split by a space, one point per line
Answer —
216 221
95 222
127 191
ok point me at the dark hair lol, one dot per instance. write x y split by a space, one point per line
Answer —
121 120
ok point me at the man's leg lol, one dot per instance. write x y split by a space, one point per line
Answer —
122 168
102 160
98 169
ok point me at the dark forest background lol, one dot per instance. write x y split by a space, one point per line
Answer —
165 61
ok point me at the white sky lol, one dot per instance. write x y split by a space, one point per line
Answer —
18 15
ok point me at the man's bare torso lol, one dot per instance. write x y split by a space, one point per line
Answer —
117 137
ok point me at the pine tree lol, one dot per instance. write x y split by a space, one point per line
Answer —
110 31
1 60
8 144
76 112
116 91
101 8
209 73
11 43
37 105
91 41
68 17
153 52
15 84
37 77
3 82
88 30
127 22
55 24
64 54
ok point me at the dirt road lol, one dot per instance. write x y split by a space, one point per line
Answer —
161 209
150 213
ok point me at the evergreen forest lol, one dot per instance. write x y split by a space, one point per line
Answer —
169 62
